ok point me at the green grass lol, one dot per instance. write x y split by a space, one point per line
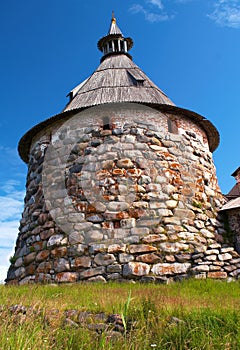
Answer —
195 314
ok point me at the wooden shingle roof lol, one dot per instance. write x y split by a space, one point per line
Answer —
117 79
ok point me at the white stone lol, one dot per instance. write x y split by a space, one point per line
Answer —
164 212
212 251
175 247
171 204
201 268
224 257
227 250
207 233
55 240
170 269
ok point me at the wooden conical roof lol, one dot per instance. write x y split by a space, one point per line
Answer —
117 79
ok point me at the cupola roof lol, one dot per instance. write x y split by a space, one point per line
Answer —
114 29
114 43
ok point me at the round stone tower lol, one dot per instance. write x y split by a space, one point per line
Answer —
121 185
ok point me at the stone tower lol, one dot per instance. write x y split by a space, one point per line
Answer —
121 185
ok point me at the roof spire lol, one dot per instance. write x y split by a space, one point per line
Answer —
114 42
113 18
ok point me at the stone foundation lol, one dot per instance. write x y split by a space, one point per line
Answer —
116 192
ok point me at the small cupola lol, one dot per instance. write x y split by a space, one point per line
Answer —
114 43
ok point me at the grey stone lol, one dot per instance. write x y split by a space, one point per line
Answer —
104 259
117 206
92 272
125 258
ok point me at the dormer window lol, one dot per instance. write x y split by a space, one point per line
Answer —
136 77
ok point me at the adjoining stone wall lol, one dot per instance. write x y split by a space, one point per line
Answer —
233 216
113 195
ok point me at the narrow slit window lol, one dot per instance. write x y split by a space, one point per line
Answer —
172 126
106 123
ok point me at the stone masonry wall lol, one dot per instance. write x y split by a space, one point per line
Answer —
234 225
113 195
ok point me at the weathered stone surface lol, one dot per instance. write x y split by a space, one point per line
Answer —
66 277
117 248
104 259
18 262
173 247
135 269
170 269
125 163
224 257
154 238
211 251
93 236
29 258
44 267
116 268
227 250
141 248
92 272
59 252
171 204
61 265
201 268
81 261
141 231
128 223
184 214
211 257
207 233
43 255
134 188
97 248
149 258
125 258
55 240
183 257
235 273
117 206
97 279
217 275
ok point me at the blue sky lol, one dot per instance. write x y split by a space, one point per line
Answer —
189 48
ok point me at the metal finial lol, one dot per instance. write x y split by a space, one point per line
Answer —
113 17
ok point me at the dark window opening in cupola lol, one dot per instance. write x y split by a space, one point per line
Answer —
116 49
122 45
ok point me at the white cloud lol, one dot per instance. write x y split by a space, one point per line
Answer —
158 15
226 13
157 3
12 191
